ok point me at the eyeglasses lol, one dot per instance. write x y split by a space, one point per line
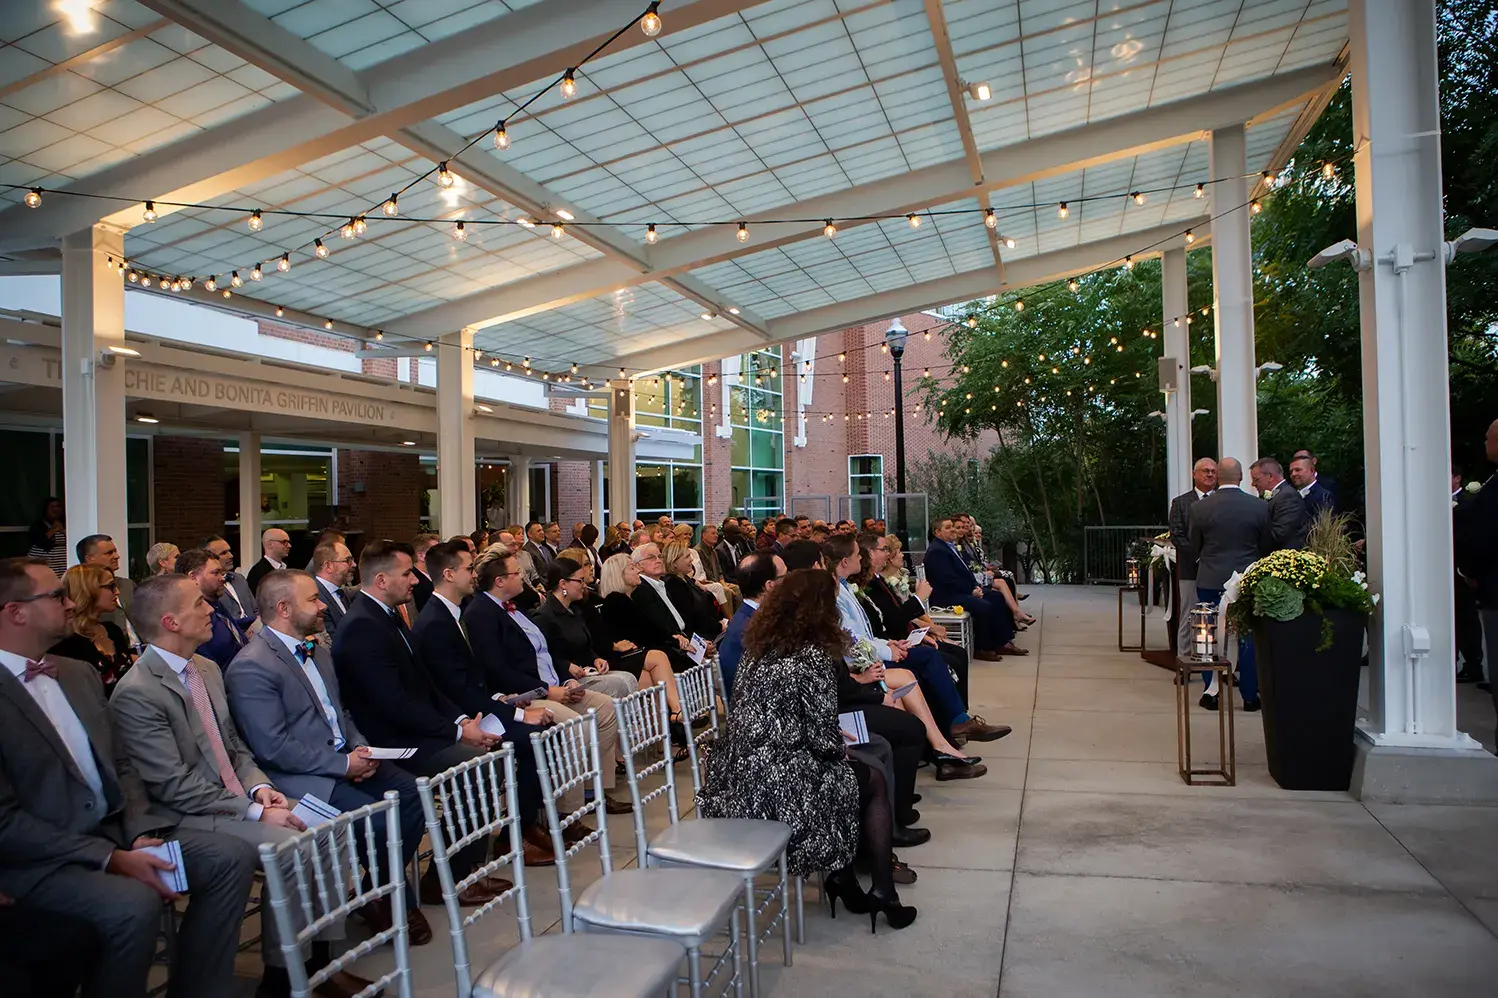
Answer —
56 594
111 586
581 582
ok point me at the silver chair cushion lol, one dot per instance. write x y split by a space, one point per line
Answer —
579 966
688 905
744 845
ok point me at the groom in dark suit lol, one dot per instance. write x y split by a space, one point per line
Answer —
1203 481
1289 518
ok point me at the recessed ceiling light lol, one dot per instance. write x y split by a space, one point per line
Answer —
145 417
565 214
733 311
408 443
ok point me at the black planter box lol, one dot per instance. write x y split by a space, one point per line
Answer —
1310 697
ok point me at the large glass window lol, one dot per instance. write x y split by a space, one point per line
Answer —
671 399
294 486
866 486
758 444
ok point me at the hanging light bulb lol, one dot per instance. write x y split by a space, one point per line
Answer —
651 22
379 336
256 273
569 84
460 232
574 370
1138 197
914 220
320 249
1074 285
327 324
235 280
556 230
743 233
972 322
209 285
525 223
280 311
255 221
1200 192
990 219
1009 242
1255 207
1019 305
1063 211
33 198
979 91
501 136
650 236
145 280
150 213
284 264
1328 171
228 293
391 207
359 227
829 230
187 283
1190 237
1128 263
841 357
347 231
445 179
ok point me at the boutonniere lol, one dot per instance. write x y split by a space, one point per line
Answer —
1267 494
1474 487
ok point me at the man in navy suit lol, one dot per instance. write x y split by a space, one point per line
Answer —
392 696
953 584
332 565
229 635
1317 496
284 696
757 575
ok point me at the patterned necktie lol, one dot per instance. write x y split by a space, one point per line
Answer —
42 668
197 691
404 612
509 606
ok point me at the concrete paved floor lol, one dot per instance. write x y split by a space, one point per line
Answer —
1081 865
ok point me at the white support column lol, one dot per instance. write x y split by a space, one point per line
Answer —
518 497
621 451
1177 347
249 498
1406 426
457 485
597 501
1233 288
93 388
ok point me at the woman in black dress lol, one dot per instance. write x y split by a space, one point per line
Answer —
98 642
783 756
616 632
696 605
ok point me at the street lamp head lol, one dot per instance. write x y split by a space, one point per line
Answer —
1471 241
894 337
1344 250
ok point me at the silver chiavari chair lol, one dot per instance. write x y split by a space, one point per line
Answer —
746 847
473 801
325 864
691 906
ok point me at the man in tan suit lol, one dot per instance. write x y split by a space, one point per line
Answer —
174 722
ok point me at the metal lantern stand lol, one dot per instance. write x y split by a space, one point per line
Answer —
1202 656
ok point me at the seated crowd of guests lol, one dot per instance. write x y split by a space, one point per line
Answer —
201 704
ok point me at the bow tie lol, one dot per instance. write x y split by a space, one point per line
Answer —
305 648
42 668
509 606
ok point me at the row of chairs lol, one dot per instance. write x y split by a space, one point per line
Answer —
695 883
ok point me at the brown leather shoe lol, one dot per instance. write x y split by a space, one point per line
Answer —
612 806
538 847
496 884
576 832
377 916
344 985
978 730
988 656
1013 649
469 897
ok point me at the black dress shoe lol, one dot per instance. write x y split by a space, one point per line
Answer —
915 798
1251 706
910 817
1208 701
905 836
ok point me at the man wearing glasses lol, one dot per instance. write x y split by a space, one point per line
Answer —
74 817
332 566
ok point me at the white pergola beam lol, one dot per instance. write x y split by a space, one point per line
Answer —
512 51
1041 269
1025 162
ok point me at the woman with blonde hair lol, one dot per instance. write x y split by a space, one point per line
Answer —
696 605
618 637
98 642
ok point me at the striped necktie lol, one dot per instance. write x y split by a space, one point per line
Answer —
197 691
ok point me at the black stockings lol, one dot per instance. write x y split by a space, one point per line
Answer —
877 824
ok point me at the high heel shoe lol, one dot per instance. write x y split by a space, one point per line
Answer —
845 887
899 915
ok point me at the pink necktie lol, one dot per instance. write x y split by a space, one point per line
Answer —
198 691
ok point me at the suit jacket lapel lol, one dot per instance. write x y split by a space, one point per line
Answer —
12 687
289 660
88 711
157 667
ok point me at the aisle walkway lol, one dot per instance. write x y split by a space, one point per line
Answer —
1081 866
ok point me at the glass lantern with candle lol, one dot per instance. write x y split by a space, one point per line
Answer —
1132 568
1204 631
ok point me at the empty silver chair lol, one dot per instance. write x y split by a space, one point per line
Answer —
472 802
747 847
690 906
325 863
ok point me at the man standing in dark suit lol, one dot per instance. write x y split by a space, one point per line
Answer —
1316 495
285 700
1477 547
1203 481
758 574
442 645
275 547
74 817
238 600
332 567
422 591
1229 531
1468 622
1288 517
390 693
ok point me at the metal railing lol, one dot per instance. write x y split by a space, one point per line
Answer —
1105 549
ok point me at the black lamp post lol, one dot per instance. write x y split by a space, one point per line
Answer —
894 338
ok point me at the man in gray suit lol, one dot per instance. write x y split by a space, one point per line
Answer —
238 601
284 696
333 566
174 721
74 817
1289 518
1203 481
1230 531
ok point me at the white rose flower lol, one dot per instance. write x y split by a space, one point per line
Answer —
1474 487
1267 494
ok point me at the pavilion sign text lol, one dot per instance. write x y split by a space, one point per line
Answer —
236 394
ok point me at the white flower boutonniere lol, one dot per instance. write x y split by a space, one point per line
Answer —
1474 487
1267 494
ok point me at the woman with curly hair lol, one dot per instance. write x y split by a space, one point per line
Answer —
98 642
783 756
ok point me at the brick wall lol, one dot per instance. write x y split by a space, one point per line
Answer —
389 504
571 494
189 485
717 452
